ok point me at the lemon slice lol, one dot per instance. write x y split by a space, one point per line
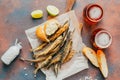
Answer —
37 14
52 10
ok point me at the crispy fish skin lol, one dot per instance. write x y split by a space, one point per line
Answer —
51 54
58 57
65 35
43 64
52 46
67 49
42 58
55 49
34 60
63 44
69 57
60 31
39 47
56 68
54 60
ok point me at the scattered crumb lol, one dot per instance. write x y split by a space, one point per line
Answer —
31 64
35 76
26 74
25 68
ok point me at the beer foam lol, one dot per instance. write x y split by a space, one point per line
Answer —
103 39
95 13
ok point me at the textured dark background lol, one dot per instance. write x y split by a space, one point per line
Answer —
15 19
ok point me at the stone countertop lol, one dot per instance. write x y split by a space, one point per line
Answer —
15 19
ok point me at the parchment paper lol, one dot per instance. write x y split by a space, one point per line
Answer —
78 62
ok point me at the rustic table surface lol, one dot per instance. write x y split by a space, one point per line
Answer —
15 19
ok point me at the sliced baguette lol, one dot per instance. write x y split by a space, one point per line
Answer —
91 55
102 63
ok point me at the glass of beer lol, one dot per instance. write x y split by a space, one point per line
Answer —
92 13
101 38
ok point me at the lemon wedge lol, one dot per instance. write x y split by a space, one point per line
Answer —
52 10
41 34
37 14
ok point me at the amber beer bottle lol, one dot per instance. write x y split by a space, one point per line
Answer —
101 38
92 13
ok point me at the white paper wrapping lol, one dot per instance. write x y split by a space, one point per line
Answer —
78 62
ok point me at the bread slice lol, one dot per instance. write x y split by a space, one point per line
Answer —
51 27
102 63
91 55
